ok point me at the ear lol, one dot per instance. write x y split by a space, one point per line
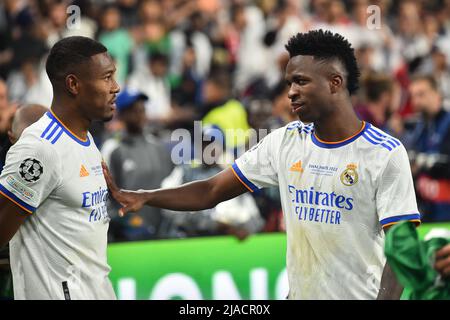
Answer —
11 137
72 84
336 83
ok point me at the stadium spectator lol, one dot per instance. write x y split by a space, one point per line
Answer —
152 80
129 12
222 110
378 99
239 216
24 116
30 83
246 31
6 113
411 38
191 36
60 27
137 160
440 55
118 40
187 95
427 137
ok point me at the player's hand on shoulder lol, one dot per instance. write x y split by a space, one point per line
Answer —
131 201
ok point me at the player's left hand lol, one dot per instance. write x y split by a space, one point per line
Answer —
131 201
442 264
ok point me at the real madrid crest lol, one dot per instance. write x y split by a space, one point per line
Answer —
349 177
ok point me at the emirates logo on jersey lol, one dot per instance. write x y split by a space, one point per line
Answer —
83 172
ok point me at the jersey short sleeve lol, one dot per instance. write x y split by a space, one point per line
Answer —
395 197
30 174
257 168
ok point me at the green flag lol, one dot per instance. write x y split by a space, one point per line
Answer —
412 261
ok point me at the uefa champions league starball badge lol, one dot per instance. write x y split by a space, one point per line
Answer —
349 177
31 170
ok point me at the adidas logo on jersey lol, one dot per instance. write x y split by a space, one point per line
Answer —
83 172
297 167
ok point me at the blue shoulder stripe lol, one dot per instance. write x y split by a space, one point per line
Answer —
84 143
48 128
55 132
368 138
48 137
381 134
57 136
375 137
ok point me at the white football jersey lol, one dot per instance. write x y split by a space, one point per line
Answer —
60 250
336 198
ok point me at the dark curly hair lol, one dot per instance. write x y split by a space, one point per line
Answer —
68 54
325 45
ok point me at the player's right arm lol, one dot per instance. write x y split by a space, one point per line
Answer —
396 202
193 196
30 173
11 218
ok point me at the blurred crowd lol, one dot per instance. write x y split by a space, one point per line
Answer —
222 62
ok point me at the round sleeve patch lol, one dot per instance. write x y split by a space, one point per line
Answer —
31 170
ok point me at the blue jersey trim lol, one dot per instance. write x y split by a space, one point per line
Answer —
243 179
395 219
339 144
377 138
294 125
70 134
380 134
57 128
48 128
57 136
53 132
15 199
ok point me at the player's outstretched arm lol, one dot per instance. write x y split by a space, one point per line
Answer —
11 218
193 196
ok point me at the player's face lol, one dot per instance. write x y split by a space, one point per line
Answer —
99 88
308 88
